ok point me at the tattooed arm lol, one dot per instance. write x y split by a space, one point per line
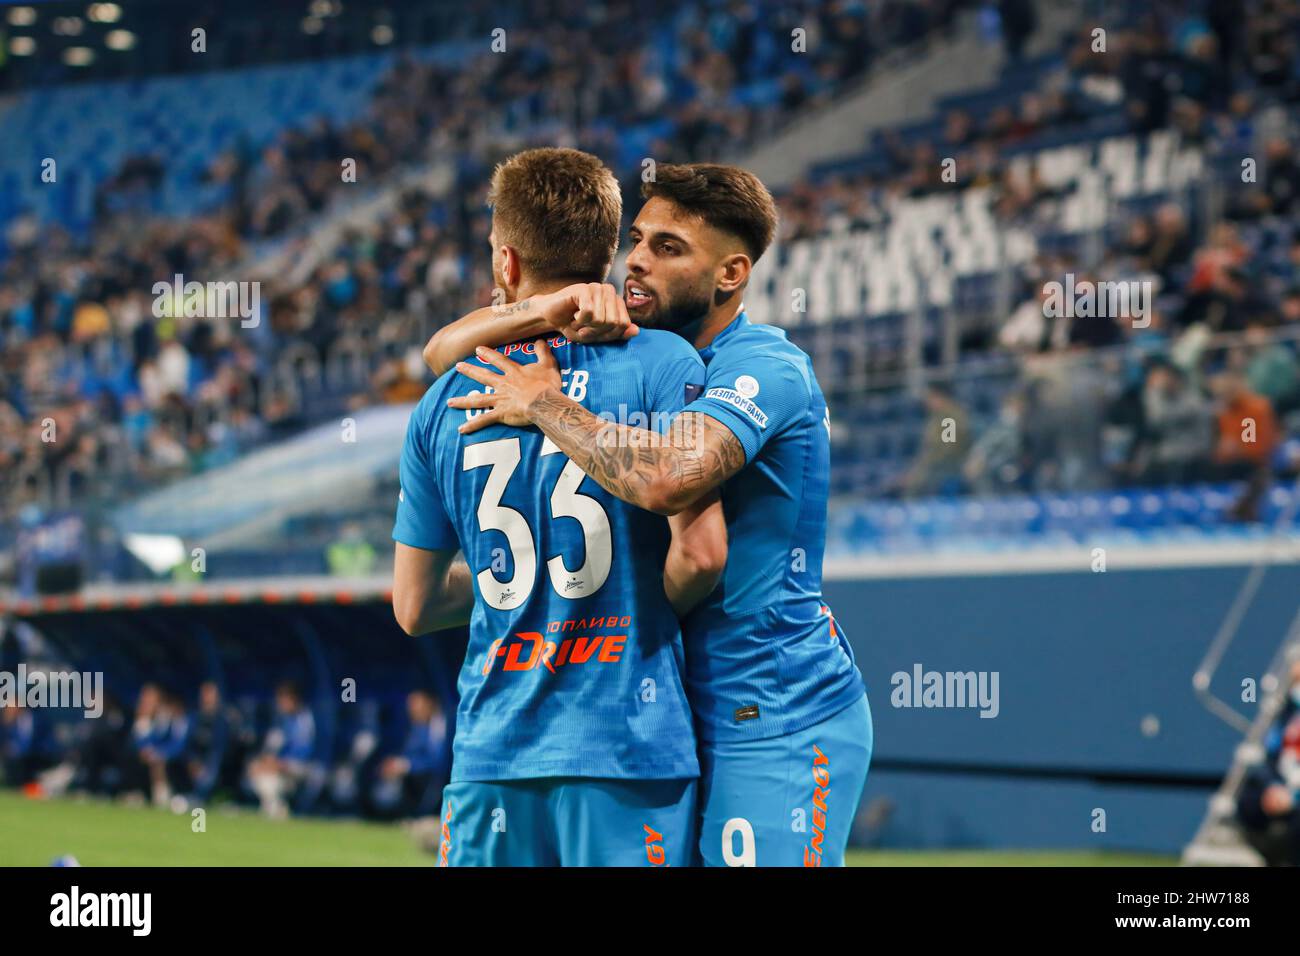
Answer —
660 473
587 312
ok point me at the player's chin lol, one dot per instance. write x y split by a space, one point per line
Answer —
641 311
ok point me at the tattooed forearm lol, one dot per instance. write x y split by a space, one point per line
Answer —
513 308
661 473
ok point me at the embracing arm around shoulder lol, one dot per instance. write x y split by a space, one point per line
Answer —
587 312
663 473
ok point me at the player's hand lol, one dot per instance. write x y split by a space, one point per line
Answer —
589 312
514 388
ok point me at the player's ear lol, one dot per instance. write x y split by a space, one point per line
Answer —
733 272
511 270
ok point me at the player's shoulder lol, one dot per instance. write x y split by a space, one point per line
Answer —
433 403
769 342
660 344
638 358
760 347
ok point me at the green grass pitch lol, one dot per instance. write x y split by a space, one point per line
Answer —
97 833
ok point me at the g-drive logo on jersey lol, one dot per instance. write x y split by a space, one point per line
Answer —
742 397
533 651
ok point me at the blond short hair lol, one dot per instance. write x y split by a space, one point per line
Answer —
560 209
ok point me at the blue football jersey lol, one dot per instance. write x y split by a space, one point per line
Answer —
764 656
574 665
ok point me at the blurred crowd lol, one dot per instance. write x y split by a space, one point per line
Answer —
102 391
1204 387
178 756
1204 70
1126 423
97 387
1205 384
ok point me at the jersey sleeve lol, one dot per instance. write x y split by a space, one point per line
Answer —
755 396
422 520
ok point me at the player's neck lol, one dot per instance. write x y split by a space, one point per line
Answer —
718 318
527 289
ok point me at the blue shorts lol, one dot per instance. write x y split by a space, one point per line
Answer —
569 821
785 801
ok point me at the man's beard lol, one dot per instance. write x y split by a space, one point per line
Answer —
683 310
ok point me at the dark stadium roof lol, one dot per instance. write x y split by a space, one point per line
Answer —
138 38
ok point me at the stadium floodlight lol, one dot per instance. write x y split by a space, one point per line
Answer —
382 34
312 25
22 16
158 552
22 46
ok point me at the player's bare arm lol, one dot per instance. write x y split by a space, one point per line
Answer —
587 312
432 590
660 473
697 554
492 325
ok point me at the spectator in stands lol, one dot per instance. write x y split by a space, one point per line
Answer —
410 783
1030 329
996 463
1246 439
1097 331
1276 192
1218 296
1160 244
1142 59
1171 245
1019 20
1271 368
1064 425
944 444
279 770
1177 427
